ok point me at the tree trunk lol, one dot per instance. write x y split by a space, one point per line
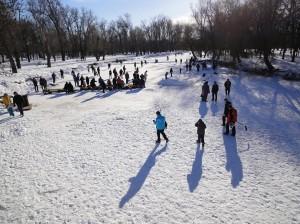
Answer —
267 61
283 53
294 55
2 55
12 64
17 57
48 60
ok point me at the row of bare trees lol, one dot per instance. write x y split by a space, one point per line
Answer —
47 29
243 27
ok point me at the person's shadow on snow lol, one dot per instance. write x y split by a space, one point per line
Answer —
194 177
233 161
203 109
137 182
214 108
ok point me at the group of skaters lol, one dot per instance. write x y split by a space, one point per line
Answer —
9 104
229 118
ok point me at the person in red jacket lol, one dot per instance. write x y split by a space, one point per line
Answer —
231 120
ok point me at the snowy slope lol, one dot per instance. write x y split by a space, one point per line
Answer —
90 157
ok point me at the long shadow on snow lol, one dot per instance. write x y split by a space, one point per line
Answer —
233 161
57 95
194 177
214 108
203 109
132 91
137 182
4 120
99 96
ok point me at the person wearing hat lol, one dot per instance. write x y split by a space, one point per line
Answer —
226 109
161 125
200 131
19 101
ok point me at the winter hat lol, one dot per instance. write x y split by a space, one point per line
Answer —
157 112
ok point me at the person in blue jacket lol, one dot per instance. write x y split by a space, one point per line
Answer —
161 125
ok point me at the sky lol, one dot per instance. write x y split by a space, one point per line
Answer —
139 10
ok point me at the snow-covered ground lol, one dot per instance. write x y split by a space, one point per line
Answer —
91 157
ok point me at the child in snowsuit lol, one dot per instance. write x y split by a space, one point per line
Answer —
200 131
161 125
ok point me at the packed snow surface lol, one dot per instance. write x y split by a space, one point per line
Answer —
91 157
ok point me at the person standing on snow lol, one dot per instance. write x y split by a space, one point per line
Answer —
171 72
61 73
227 86
166 75
35 83
231 120
53 77
161 125
127 77
8 105
19 101
226 109
200 131
205 91
214 91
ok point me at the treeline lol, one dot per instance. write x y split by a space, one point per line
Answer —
247 27
239 28
47 29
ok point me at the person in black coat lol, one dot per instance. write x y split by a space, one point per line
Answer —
19 101
200 131
127 77
35 83
87 79
171 72
114 83
227 86
61 73
53 77
102 84
226 110
214 90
